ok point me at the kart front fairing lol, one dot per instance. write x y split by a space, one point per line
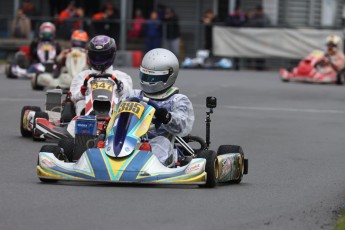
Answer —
132 121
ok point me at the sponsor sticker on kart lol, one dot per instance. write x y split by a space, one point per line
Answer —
131 107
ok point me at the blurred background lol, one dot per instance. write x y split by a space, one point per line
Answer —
253 34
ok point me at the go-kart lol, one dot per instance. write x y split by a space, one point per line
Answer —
20 67
54 122
123 155
75 63
310 69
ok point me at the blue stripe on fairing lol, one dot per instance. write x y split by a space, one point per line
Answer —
97 163
133 169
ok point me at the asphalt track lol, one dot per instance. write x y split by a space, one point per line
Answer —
293 135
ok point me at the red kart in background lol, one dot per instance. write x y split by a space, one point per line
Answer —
310 69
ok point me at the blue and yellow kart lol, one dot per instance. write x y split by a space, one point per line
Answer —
123 155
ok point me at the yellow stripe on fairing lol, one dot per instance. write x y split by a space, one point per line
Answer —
46 172
186 178
144 125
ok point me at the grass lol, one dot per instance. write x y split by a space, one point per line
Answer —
340 225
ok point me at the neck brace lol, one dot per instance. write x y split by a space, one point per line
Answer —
163 95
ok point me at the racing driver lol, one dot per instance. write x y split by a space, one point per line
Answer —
101 55
334 59
158 73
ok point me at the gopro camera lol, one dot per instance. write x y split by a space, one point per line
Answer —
211 102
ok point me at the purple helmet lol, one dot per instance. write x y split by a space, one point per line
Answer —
101 52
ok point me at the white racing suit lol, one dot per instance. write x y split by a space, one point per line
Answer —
181 123
77 82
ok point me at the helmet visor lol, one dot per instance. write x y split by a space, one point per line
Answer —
153 76
99 57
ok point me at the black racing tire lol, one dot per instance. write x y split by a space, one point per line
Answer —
26 133
225 149
8 72
211 168
57 152
340 77
39 115
67 145
34 84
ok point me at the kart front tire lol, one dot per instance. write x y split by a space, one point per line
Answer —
225 149
56 150
34 83
39 115
8 72
24 132
67 145
211 168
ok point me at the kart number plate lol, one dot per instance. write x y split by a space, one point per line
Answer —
102 85
46 47
131 107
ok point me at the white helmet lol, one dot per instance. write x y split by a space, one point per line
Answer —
158 71
333 41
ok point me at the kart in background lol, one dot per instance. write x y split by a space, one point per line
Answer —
53 123
20 67
76 61
309 69
122 154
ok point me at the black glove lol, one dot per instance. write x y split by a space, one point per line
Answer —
162 115
119 87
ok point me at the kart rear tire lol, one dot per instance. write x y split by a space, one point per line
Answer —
225 149
211 168
26 133
67 145
340 77
34 84
39 115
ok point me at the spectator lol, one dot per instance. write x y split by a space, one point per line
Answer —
70 19
172 35
259 18
137 25
30 11
105 22
153 32
236 19
161 11
20 26
208 19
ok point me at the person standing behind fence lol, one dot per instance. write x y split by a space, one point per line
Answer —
259 18
21 25
153 32
208 20
172 32
137 25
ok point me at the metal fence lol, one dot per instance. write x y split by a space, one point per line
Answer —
192 38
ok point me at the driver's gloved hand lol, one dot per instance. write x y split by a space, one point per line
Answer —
119 87
83 90
162 115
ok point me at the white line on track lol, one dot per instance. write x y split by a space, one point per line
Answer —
20 99
267 109
270 109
